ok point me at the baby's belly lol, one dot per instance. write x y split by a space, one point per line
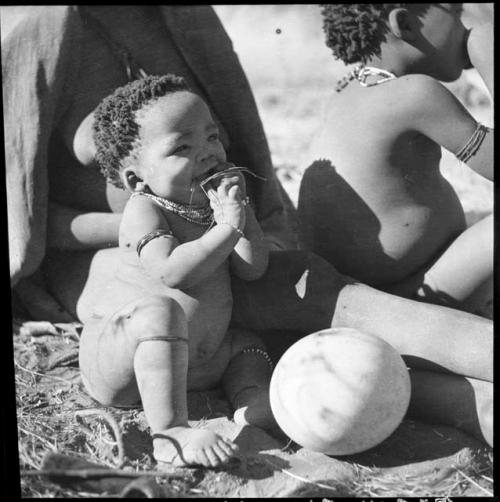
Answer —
382 241
207 306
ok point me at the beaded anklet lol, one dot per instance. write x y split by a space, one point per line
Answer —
260 351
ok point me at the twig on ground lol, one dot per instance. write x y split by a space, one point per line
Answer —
470 480
43 440
300 478
41 328
91 473
65 359
120 459
41 374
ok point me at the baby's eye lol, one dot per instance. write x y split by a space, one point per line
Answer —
180 149
213 137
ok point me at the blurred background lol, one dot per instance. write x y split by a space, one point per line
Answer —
292 74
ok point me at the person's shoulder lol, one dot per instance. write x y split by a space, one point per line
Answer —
140 211
419 89
141 215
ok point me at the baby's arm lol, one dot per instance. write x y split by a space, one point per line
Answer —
431 109
250 256
176 265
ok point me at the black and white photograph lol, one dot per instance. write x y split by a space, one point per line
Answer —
251 250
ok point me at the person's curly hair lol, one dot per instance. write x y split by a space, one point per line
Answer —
115 129
354 32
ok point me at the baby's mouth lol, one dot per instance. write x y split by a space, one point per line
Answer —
221 166
206 174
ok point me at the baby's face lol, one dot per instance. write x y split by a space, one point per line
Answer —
445 35
180 147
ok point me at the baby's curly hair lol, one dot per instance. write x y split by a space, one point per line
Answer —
354 32
116 131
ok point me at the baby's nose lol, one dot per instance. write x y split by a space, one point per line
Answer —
206 155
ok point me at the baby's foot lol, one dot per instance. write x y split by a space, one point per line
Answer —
185 446
253 408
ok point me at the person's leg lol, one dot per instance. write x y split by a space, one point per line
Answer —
303 292
464 403
464 272
461 277
246 380
141 353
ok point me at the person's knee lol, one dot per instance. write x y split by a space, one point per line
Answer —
152 318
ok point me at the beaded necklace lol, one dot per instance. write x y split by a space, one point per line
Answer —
361 73
200 215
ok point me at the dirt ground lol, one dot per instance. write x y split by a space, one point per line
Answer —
62 429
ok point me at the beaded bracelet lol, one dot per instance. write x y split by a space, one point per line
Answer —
472 146
263 353
233 226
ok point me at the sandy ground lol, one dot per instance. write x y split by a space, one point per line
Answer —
292 74
419 460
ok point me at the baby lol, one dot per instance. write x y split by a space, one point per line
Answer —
160 328
373 201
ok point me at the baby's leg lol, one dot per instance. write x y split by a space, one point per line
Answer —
465 403
246 380
141 353
464 272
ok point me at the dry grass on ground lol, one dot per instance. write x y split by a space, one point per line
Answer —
51 417
292 74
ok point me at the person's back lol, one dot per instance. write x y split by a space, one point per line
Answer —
373 201
379 209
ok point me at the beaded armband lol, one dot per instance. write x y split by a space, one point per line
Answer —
472 146
149 237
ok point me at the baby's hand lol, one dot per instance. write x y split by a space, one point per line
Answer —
227 201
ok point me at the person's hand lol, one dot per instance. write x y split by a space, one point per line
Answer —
228 200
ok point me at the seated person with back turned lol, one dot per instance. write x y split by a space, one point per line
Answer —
373 201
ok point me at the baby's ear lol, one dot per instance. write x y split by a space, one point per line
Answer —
401 24
131 180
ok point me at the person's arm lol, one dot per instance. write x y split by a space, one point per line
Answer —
430 108
73 230
250 256
39 56
181 265
478 19
480 51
